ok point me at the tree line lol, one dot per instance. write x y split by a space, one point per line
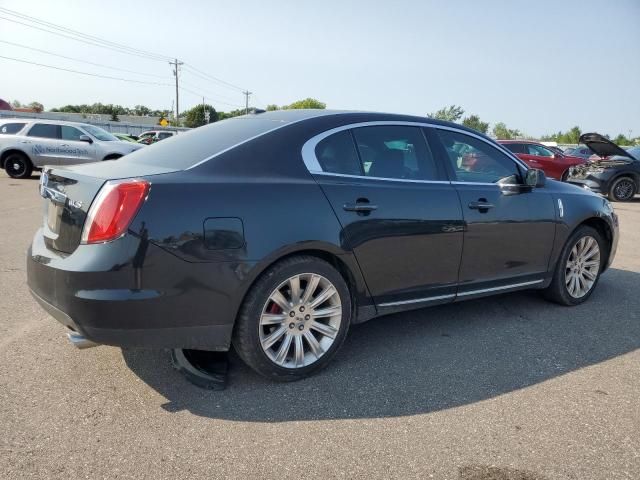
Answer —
455 113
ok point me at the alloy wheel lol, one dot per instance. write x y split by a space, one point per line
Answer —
583 266
300 321
16 166
624 189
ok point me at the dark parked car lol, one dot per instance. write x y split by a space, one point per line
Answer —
616 173
277 231
554 164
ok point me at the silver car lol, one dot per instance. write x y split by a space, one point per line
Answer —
27 144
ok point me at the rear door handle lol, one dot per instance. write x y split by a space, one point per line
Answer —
25 141
480 205
359 207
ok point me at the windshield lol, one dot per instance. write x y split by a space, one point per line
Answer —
634 152
100 134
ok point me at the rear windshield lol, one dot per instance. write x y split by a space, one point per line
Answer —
185 150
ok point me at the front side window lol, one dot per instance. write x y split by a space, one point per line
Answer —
70 133
473 160
539 150
394 151
99 133
11 128
45 130
337 154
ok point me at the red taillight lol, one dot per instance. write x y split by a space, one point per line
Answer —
113 209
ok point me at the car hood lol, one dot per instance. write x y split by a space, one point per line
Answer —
602 146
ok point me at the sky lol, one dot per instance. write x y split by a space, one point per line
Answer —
539 66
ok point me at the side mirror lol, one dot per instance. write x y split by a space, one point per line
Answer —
535 178
86 138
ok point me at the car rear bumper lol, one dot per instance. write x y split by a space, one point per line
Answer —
164 303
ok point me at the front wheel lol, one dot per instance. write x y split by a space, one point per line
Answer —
622 189
578 269
294 319
18 165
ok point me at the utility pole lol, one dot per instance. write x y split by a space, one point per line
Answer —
246 102
176 70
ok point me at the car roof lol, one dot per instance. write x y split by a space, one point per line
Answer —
44 120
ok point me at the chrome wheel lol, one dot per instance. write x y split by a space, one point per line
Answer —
624 189
583 266
300 320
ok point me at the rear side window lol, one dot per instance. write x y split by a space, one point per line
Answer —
394 151
164 135
44 130
11 128
515 147
337 154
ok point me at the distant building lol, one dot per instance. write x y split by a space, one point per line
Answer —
5 105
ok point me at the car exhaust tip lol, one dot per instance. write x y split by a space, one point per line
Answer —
80 342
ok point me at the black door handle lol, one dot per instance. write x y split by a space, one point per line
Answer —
480 205
359 207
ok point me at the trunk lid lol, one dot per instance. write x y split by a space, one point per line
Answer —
602 146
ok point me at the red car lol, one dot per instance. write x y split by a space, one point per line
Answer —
555 165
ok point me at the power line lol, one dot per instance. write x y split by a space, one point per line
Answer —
87 73
82 61
80 39
91 38
208 95
206 76
212 99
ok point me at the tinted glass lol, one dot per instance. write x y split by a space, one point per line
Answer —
337 154
99 133
539 150
194 146
70 133
515 147
391 151
11 128
634 152
44 130
474 160
164 135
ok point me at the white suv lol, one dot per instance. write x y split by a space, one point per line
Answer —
27 144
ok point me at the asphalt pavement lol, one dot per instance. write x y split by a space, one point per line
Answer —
503 388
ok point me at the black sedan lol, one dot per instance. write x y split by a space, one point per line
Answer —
277 231
616 175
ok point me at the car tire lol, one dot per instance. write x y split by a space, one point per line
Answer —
576 257
18 165
269 337
564 176
622 189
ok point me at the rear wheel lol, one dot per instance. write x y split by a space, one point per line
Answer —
578 269
18 165
294 319
623 189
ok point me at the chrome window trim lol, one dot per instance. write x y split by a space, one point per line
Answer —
417 300
362 177
495 289
312 164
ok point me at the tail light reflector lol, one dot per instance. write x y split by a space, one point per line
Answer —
113 209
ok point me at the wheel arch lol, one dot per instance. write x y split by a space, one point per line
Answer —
9 151
635 176
604 229
344 263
